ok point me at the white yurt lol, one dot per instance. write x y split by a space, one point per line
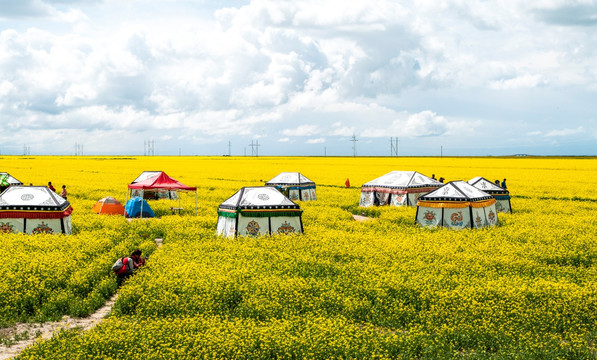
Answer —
294 185
254 211
501 195
457 205
34 210
397 188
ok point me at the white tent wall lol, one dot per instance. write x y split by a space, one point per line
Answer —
398 200
429 217
286 224
226 226
252 226
503 206
255 226
366 198
457 218
50 226
12 225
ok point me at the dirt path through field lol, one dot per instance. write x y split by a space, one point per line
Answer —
16 338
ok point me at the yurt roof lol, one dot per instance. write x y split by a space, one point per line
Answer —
11 180
403 180
290 178
32 198
262 197
456 191
146 175
489 187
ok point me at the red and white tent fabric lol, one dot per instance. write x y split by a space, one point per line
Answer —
34 210
158 184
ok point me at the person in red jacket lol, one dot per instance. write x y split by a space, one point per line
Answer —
129 266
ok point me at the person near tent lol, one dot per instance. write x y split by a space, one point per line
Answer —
51 187
129 266
441 180
433 176
504 184
63 193
497 182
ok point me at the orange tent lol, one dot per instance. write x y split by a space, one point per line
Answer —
108 206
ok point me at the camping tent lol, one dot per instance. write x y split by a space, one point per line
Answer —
33 210
456 205
161 183
138 208
501 195
294 185
397 188
6 180
256 211
108 206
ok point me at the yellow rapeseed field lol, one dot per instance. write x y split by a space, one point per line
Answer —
383 288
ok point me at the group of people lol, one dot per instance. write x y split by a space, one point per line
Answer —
497 182
441 179
62 193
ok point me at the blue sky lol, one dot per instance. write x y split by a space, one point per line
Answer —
300 77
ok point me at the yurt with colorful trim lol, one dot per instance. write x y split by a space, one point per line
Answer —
34 210
7 180
501 195
397 188
108 206
456 205
294 185
254 211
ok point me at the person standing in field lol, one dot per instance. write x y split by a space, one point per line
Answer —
63 193
51 187
504 184
497 182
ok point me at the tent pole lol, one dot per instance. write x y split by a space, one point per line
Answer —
141 213
178 196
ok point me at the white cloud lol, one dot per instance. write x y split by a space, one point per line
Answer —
565 132
302 130
267 68
315 141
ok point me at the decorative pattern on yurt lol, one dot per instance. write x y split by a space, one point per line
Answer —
397 188
501 195
457 205
294 185
254 211
34 210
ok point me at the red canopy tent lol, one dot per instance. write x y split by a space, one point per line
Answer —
162 181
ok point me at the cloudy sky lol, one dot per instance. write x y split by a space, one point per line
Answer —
300 77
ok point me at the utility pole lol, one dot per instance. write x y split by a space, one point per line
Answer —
394 146
354 145
254 148
229 147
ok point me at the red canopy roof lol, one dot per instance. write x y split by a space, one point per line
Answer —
161 181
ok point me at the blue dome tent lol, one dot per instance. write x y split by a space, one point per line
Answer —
137 208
